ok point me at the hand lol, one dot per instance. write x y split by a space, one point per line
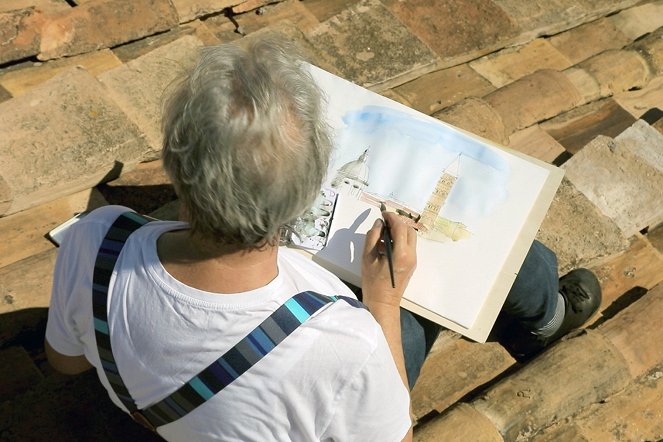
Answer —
376 281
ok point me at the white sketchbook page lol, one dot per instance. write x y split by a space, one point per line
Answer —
492 196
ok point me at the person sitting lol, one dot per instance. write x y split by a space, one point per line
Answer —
206 329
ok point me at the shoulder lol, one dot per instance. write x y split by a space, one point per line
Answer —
82 240
305 274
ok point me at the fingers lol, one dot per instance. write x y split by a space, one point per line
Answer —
411 238
373 237
402 235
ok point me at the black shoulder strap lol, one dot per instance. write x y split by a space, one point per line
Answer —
219 374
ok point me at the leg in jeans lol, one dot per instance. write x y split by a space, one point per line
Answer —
533 297
531 300
418 335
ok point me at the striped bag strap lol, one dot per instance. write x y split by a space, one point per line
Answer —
220 373
236 361
109 251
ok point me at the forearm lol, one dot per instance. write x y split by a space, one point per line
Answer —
389 319
384 279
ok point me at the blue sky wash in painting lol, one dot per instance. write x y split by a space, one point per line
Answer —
408 154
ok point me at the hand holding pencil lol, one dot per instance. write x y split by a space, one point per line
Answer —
389 256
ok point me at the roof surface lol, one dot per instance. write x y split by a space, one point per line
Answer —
577 83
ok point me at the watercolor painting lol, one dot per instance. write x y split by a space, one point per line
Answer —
476 206
444 183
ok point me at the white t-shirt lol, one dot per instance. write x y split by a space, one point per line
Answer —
332 379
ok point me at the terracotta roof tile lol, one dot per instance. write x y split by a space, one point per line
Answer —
463 422
222 28
291 31
204 33
632 333
103 24
129 51
42 5
592 38
292 10
20 29
639 101
644 141
453 370
586 85
14 328
20 81
145 188
249 5
70 408
326 9
573 374
619 183
22 233
453 28
534 98
4 94
536 142
589 238
651 47
477 116
69 145
188 10
637 269
655 237
577 127
393 95
546 17
27 283
659 126
639 20
437 90
617 71
138 85
18 372
368 45
634 414
510 64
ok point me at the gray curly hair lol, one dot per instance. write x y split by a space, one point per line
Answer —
245 142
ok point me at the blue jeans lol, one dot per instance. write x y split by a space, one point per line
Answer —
531 300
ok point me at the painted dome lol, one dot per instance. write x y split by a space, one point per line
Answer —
356 170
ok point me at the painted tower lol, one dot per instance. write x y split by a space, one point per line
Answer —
352 177
438 197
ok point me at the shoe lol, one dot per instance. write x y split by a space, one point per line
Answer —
581 292
582 297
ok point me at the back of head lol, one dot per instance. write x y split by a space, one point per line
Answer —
245 141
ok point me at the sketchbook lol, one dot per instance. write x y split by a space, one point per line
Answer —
476 205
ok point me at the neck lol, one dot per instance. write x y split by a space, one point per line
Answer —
218 268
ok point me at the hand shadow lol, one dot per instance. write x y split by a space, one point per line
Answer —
346 245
